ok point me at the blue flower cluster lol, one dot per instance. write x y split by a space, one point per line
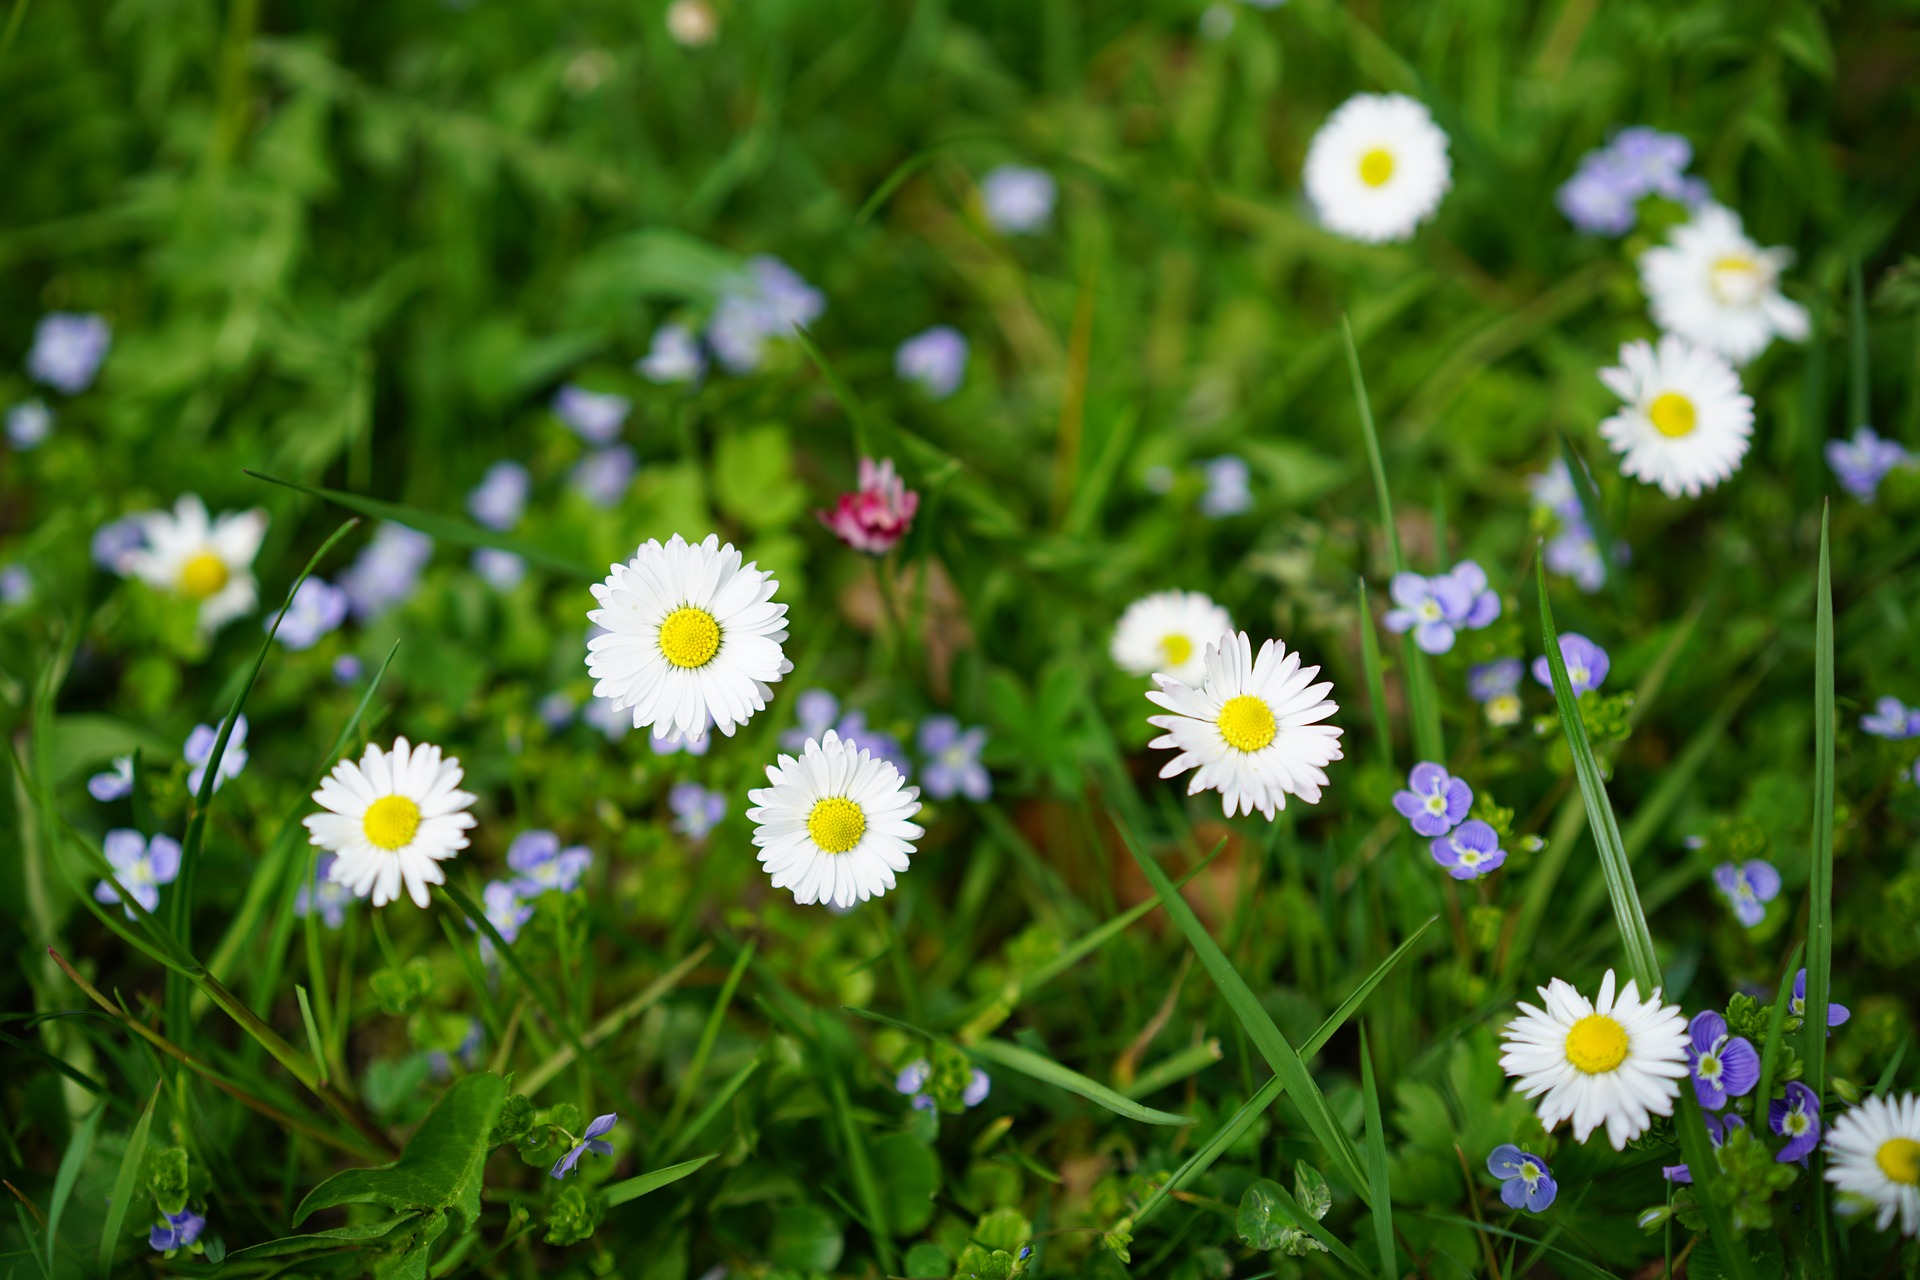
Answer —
950 753
1436 804
1603 196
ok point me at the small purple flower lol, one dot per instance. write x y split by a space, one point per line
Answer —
814 710
67 350
1470 851
1587 664
1496 687
116 783
1749 886
673 356
953 759
1597 199
505 910
176 1231
1435 801
1018 199
1651 160
696 810
140 865
768 300
591 1140
593 416
613 725
116 540
1525 1181
556 710
1723 1066
346 669
500 498
16 584
662 745
322 897
1436 609
501 570
199 750
1796 1117
1603 196
604 476
386 571
818 711
29 423
1228 491
1891 719
1574 554
936 360
543 865
1862 463
1797 1006
318 608
1718 1127
913 1078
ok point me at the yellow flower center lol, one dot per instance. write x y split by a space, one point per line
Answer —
1899 1159
1738 280
1246 722
390 822
1673 414
836 824
1376 167
203 575
689 637
1597 1044
1175 648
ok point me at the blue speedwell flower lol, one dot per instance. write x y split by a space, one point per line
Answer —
817 711
1018 199
952 760
604 476
1587 664
322 897
1437 609
594 416
117 540
1603 195
1797 1006
1891 719
935 360
29 424
767 300
199 751
913 1079
67 351
591 1140
500 499
115 783
1718 1127
696 810
1795 1117
1470 851
16 584
176 1231
1860 464
1496 687
1749 886
505 910
386 571
1525 1181
140 865
673 356
542 864
501 570
1229 490
318 608
1722 1065
1435 801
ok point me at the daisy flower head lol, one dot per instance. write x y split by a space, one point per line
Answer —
1167 633
1713 286
1378 168
1525 1181
1437 609
1435 801
1685 425
1469 851
186 553
1251 729
834 824
1587 664
1616 1061
140 865
1723 1065
689 633
391 819
1873 1152
1749 886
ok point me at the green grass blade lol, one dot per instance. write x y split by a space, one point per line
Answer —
1377 1164
1573 1259
1286 1063
703 1049
1859 389
620 1193
563 1057
860 1166
1587 494
315 1044
715 1105
1642 963
1813 1027
442 528
1769 1056
1309 1224
1047 1071
1376 679
78 1148
125 1182
1704 1165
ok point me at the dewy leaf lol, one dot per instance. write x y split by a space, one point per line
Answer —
1311 1190
1260 1222
442 1163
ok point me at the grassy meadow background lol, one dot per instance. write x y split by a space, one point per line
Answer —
358 246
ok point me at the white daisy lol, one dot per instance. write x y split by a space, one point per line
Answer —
1251 727
690 634
1616 1062
1168 631
1686 424
1378 168
1713 286
1873 1151
834 825
206 560
391 818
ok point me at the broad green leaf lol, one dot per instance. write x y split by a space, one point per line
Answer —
805 1238
442 1163
753 479
332 1239
909 1175
1260 1221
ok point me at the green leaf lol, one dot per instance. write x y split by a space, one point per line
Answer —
909 1174
126 1182
1588 496
805 1238
331 1239
441 1166
619 1193
1260 1220
78 1148
1377 1164
1813 1028
1047 1071
1758 1256
1376 680
1642 963
1286 1063
753 479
